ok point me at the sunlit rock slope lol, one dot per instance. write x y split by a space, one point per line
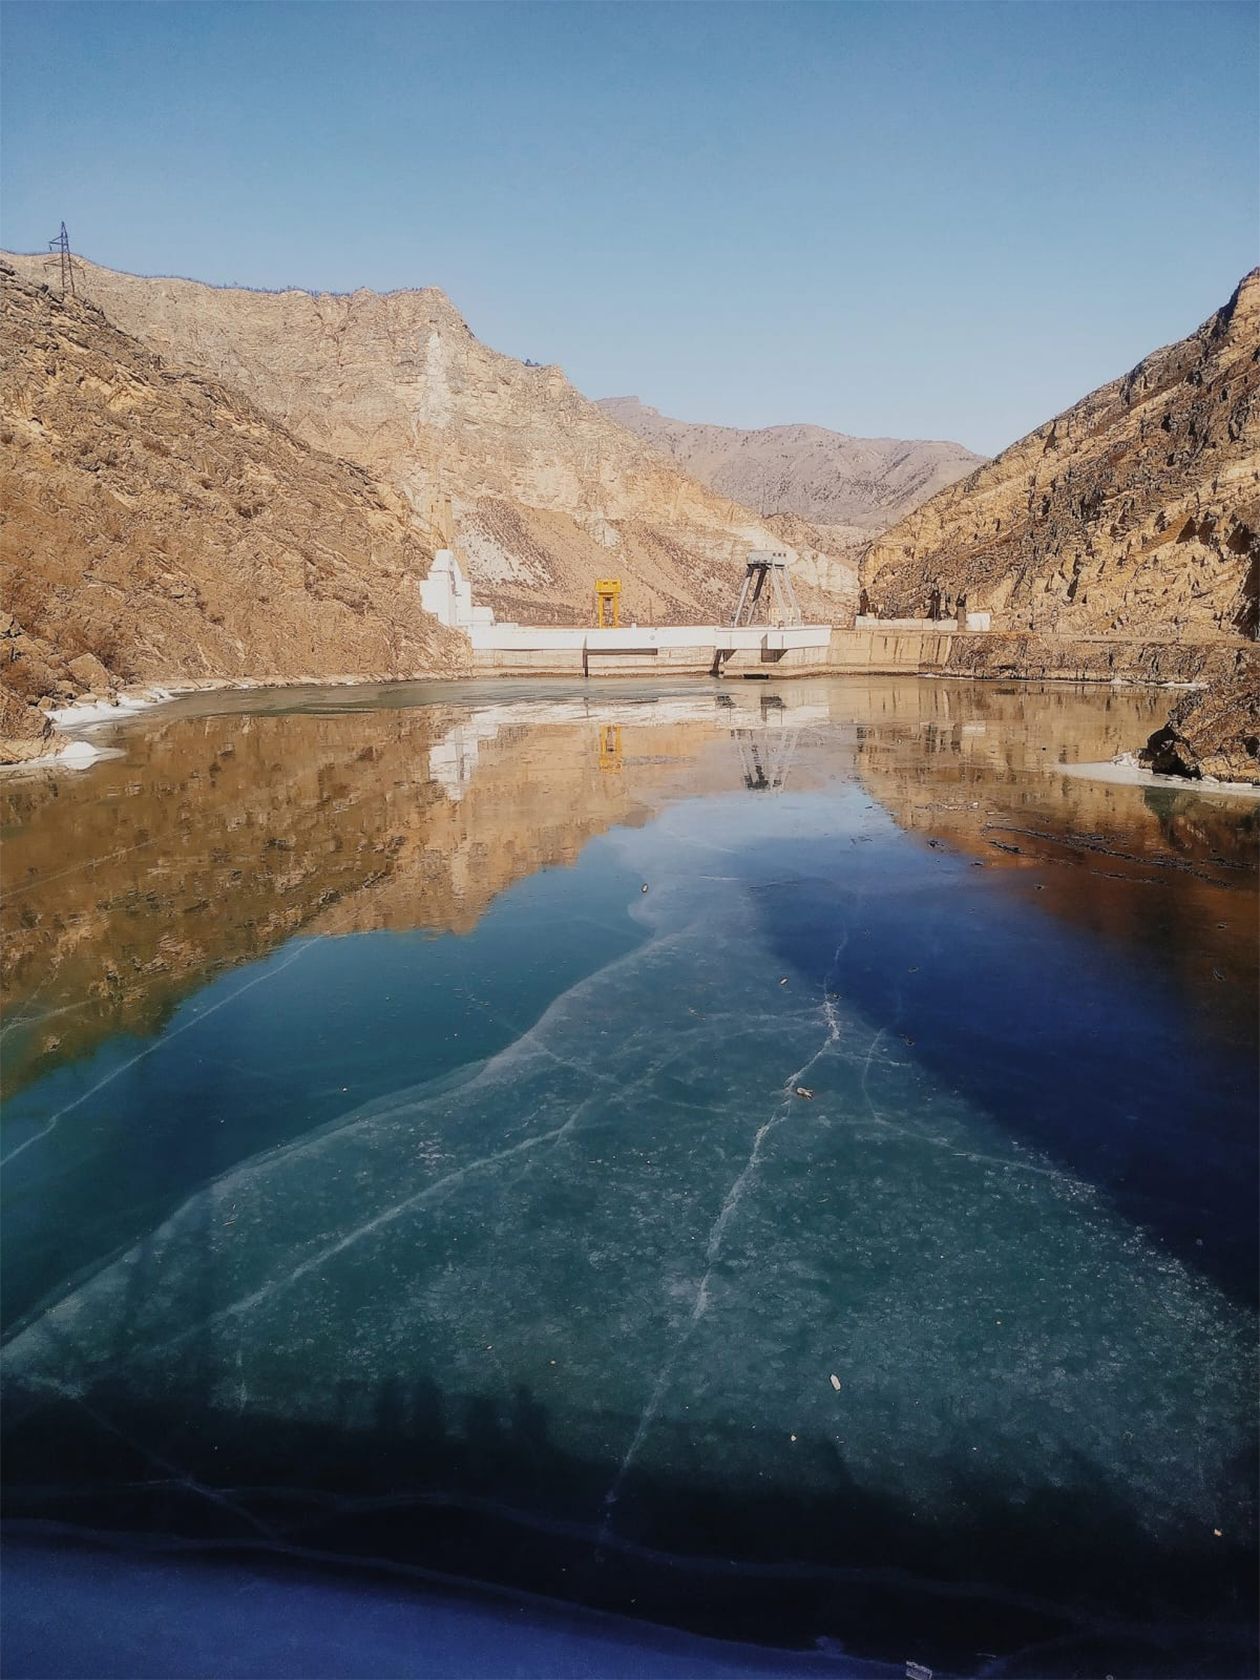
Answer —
854 487
1134 513
159 527
1213 733
548 491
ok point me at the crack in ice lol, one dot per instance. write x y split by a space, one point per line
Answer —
149 1050
180 1478
713 1251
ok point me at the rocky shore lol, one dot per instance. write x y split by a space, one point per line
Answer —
160 529
1213 732
1028 656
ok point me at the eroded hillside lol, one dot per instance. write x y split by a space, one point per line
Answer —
854 487
1134 513
157 527
548 492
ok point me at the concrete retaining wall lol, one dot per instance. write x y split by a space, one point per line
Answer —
514 649
888 652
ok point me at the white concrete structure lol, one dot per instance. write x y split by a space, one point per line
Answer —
871 621
447 594
522 638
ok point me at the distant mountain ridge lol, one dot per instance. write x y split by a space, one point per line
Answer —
855 487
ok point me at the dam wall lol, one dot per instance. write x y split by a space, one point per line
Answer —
709 650
888 652
817 650
870 646
700 650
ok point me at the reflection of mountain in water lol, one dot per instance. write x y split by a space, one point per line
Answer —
218 837
977 766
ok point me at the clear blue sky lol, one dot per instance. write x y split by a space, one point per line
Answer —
894 218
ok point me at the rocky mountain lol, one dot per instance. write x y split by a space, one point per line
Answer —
158 526
548 491
853 487
1213 731
1134 513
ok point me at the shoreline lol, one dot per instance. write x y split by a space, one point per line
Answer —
78 720
1134 775
80 716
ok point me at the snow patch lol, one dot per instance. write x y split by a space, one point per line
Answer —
83 715
1128 771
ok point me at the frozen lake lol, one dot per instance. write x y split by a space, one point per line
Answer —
779 1161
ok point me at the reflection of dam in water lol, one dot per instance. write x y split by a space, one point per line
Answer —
754 720
767 750
222 833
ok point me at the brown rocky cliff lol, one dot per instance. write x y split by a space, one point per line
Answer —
157 526
1136 512
1214 732
549 493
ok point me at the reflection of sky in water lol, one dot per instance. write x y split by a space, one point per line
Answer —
516 1253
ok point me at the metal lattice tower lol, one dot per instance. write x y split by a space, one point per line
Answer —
766 754
768 585
60 247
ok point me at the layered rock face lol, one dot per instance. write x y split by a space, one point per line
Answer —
1021 654
29 670
548 492
852 487
160 527
1135 513
1214 733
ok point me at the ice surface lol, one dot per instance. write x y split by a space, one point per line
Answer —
79 1612
1131 774
608 1284
630 1214
83 714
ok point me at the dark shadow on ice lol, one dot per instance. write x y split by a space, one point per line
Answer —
1079 1048
477 1487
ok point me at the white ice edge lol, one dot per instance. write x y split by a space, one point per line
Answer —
75 755
103 711
80 754
1132 775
